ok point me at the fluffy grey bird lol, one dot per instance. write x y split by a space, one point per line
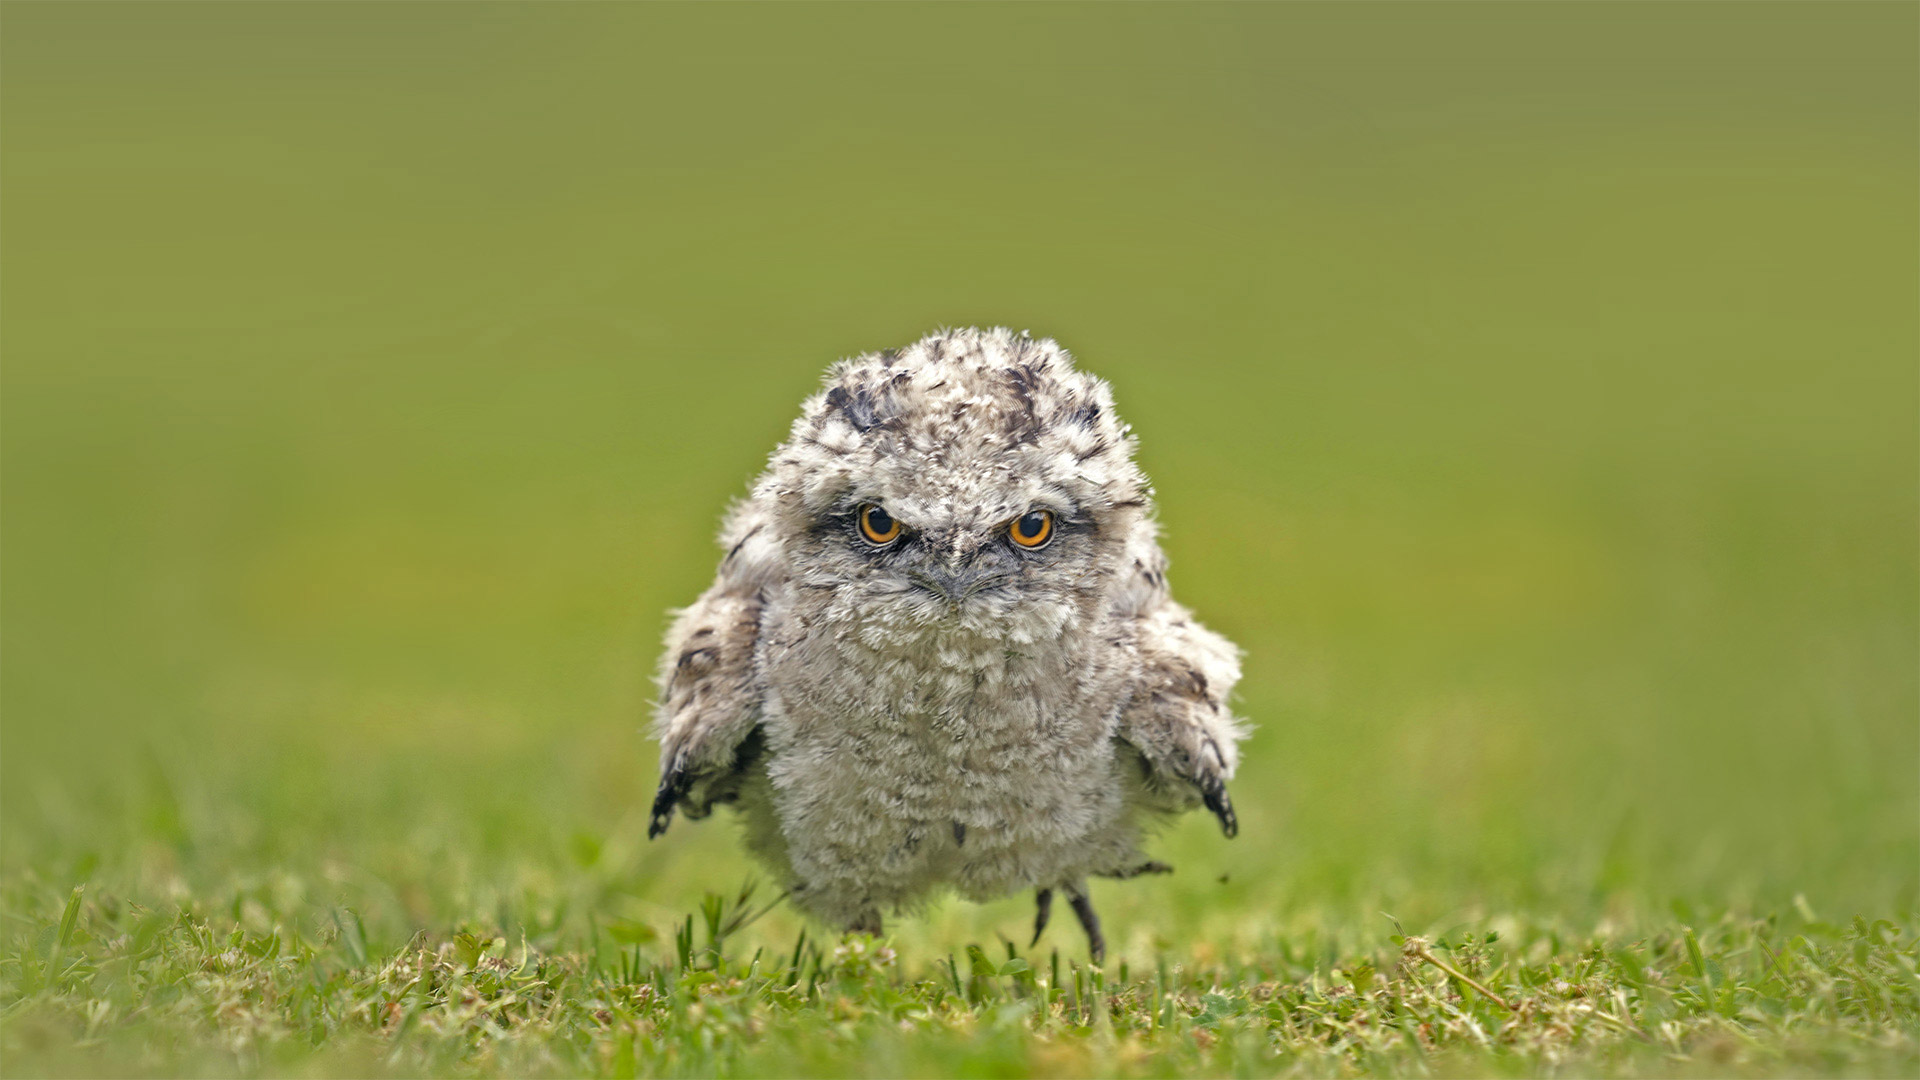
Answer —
940 651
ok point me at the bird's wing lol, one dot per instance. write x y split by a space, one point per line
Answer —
1177 717
708 715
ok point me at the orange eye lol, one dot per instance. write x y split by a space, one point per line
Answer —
1032 529
878 526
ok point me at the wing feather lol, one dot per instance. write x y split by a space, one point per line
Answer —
708 715
1177 717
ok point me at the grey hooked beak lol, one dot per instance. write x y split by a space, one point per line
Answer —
953 584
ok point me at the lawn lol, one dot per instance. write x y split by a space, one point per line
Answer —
1531 392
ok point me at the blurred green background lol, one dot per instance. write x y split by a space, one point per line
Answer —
1531 391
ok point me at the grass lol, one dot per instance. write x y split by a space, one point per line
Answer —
1529 391
252 990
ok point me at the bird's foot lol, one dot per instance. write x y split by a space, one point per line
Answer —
1089 921
1152 867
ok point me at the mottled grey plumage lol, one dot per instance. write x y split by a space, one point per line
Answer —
950 709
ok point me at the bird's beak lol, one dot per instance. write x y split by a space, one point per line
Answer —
953 584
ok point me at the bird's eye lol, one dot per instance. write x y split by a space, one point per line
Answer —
878 526
1032 530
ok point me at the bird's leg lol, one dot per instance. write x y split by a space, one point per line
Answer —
1043 905
867 923
1090 922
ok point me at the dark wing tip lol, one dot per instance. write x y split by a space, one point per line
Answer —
672 787
1217 801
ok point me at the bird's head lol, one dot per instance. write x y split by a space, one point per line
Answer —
973 481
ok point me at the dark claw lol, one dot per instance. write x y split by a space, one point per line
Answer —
1136 871
1215 796
1043 904
1090 922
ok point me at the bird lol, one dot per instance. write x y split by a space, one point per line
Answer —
940 654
